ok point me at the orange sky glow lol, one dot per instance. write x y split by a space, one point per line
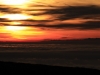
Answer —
22 22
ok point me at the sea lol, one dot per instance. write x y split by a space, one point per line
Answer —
69 55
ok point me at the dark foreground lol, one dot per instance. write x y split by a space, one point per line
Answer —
32 69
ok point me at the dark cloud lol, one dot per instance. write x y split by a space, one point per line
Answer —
8 9
75 11
4 8
72 12
63 13
83 26
3 20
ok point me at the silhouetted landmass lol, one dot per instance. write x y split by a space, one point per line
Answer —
75 41
65 41
36 69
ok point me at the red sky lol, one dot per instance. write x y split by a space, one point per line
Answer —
33 34
35 20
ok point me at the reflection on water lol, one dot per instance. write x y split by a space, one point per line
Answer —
48 47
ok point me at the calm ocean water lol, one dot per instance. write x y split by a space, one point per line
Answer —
73 55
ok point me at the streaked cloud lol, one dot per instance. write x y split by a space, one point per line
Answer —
78 17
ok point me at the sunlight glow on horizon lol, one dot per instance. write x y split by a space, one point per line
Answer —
22 32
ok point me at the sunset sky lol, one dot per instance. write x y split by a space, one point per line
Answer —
32 20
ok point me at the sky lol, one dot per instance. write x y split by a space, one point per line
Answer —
36 20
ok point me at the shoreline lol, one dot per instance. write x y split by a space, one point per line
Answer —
37 69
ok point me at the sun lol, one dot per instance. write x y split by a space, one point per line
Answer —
16 31
16 16
22 32
14 2
15 28
15 23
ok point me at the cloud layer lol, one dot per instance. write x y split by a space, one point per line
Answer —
61 17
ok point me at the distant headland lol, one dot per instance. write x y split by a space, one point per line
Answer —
58 41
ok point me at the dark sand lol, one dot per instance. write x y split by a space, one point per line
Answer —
38 69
